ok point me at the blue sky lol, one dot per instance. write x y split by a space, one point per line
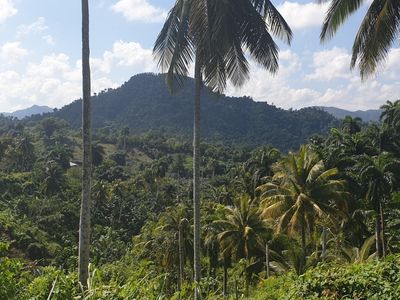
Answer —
40 55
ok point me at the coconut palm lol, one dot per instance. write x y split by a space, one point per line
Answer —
303 191
379 173
262 160
377 33
244 233
214 34
84 224
175 222
351 125
391 113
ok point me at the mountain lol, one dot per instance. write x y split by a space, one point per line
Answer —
27 112
366 115
144 103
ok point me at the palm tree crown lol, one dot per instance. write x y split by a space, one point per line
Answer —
301 192
217 33
377 33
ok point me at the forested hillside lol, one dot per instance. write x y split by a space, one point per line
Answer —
314 214
144 103
370 115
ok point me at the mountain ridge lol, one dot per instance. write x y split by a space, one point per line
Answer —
144 103
29 111
369 115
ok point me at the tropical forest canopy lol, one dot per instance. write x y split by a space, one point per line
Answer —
235 216
317 208
144 103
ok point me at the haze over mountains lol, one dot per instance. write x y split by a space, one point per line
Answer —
371 115
27 112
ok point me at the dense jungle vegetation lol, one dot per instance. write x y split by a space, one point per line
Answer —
144 103
321 222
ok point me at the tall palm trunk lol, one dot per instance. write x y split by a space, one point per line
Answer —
303 239
324 241
181 259
196 178
225 283
382 235
378 232
267 259
84 224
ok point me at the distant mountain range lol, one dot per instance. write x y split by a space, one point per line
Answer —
144 104
371 115
27 112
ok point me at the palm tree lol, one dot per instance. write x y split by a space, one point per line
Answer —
214 34
97 154
244 233
301 192
176 223
377 32
84 224
391 113
262 160
351 125
380 175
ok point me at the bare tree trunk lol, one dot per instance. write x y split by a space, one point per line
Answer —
225 283
267 259
84 224
324 241
196 179
382 235
180 241
303 239
378 232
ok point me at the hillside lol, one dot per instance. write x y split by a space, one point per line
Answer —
27 112
144 103
366 115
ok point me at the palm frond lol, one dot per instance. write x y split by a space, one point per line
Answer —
174 47
376 35
338 12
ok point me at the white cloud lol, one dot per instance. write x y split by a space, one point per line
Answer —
55 80
276 89
301 16
329 82
124 55
51 66
12 52
331 64
391 67
133 55
139 10
7 10
36 27
49 39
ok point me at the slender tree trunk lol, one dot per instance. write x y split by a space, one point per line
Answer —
236 289
324 241
378 231
382 235
267 259
303 239
84 224
196 179
225 283
180 241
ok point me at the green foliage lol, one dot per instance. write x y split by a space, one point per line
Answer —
144 104
52 283
276 288
372 280
142 241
